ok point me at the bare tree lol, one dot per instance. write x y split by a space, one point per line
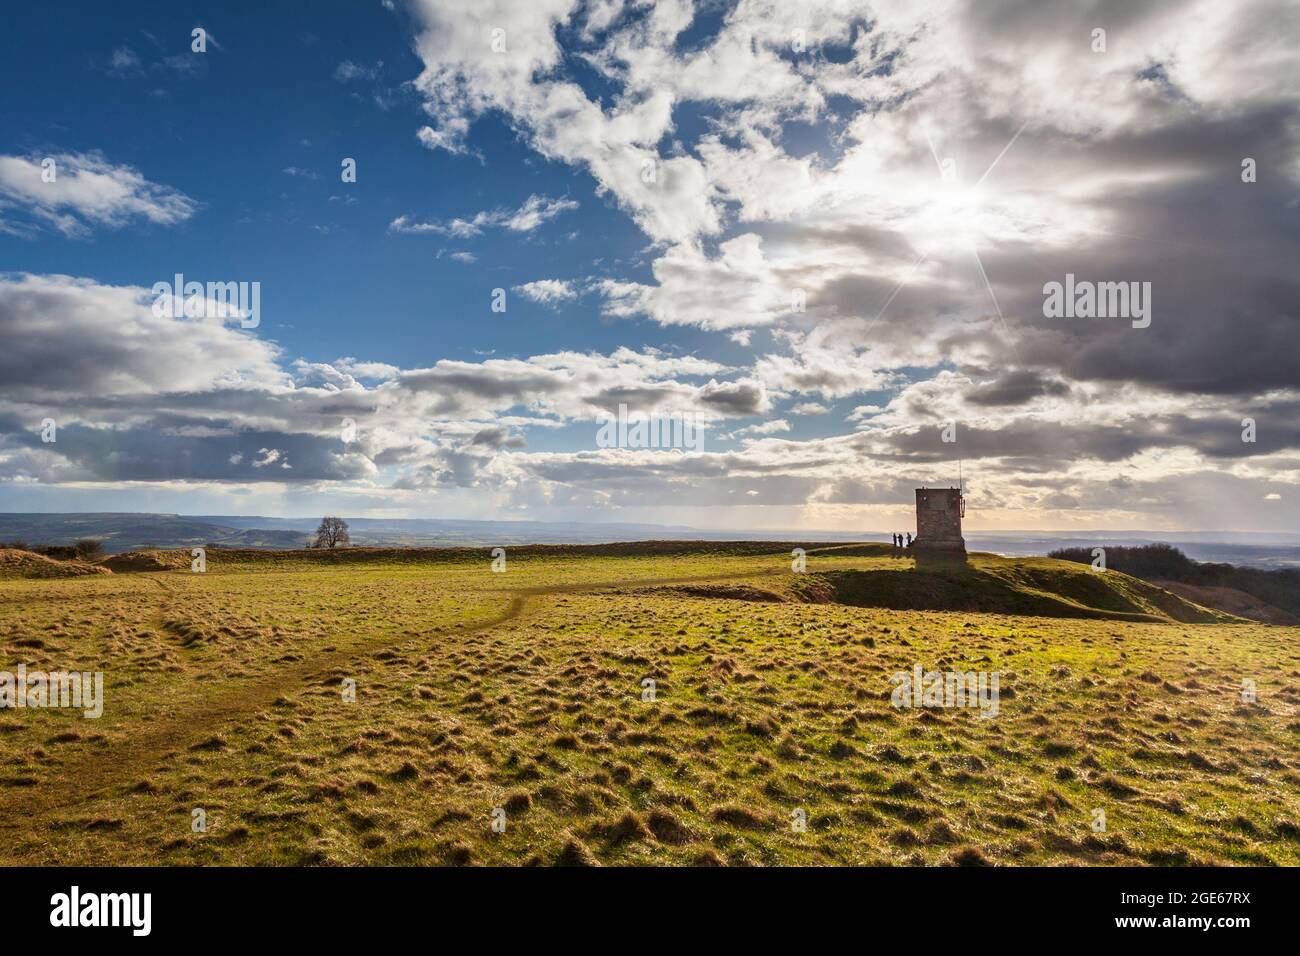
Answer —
332 532
89 548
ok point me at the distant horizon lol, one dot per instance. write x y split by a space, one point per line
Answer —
968 531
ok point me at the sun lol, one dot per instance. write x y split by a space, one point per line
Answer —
953 218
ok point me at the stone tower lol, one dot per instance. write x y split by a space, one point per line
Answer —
938 519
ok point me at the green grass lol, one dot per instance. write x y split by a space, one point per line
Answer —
523 691
1037 586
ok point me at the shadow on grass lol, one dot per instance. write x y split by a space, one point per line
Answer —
939 560
948 581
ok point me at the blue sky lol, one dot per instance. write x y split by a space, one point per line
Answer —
224 128
797 270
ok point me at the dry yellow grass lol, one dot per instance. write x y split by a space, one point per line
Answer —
24 564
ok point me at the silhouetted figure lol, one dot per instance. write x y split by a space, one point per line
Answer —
909 539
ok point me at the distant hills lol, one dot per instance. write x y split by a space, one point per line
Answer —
121 531
125 531
1274 550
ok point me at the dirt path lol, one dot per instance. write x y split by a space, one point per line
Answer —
98 773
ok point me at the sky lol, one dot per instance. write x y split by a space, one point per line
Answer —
826 235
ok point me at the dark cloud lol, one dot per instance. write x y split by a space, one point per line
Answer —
169 454
734 398
1016 388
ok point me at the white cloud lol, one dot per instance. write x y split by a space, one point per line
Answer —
376 370
66 335
735 290
88 191
124 62
269 456
548 292
451 137
469 69
830 373
772 427
535 211
347 71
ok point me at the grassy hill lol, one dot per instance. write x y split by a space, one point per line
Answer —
986 583
524 693
1271 596
878 575
118 532
992 584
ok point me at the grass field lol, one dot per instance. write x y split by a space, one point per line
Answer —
517 698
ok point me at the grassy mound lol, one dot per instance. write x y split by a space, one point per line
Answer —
1232 601
27 564
1042 587
872 575
162 560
